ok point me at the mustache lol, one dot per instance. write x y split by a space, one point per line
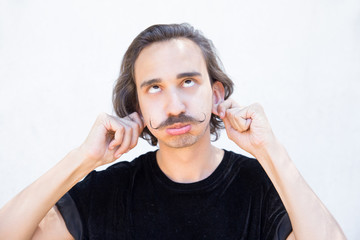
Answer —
182 118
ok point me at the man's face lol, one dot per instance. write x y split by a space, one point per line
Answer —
174 92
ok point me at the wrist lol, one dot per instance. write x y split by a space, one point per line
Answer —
82 163
272 155
268 148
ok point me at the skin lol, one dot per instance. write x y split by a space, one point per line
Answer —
160 80
174 95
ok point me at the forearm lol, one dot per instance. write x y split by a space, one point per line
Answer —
20 217
309 217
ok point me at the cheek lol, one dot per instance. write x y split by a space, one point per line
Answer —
144 104
204 101
143 107
151 112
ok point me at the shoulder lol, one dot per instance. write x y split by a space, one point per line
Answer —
247 169
118 175
124 169
241 161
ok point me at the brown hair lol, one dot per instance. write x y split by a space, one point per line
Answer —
125 99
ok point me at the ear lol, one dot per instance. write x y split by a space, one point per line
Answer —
218 95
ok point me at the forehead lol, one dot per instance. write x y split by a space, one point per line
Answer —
167 59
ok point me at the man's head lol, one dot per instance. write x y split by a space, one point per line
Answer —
126 92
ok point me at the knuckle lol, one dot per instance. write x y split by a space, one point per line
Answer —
136 115
230 113
137 129
133 124
133 144
258 106
133 116
102 116
121 129
242 128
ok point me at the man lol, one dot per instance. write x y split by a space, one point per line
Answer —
172 92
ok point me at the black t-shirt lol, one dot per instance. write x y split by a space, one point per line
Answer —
136 200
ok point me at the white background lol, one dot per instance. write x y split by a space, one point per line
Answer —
299 59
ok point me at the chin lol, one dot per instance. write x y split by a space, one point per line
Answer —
181 141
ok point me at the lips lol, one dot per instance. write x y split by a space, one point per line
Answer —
178 129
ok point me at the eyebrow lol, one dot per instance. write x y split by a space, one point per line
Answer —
179 76
150 82
188 74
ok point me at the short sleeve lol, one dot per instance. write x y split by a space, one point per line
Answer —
277 225
96 207
71 216
74 206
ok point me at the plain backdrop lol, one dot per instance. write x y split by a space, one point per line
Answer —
299 59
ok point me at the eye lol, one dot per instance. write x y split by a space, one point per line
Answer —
154 89
188 83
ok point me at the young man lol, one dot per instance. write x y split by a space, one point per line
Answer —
172 92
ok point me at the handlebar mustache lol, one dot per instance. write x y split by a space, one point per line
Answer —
182 118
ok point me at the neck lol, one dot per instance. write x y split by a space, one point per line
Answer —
189 164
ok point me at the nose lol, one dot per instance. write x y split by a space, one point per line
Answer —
174 103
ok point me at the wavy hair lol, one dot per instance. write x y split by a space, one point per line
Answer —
125 98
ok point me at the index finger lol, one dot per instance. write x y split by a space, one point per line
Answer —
135 117
227 104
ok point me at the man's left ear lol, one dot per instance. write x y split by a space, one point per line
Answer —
218 95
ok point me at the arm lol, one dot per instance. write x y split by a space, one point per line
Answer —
250 130
32 212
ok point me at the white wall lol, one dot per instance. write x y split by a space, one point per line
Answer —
300 59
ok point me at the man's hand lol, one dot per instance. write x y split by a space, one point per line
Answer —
247 126
110 137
